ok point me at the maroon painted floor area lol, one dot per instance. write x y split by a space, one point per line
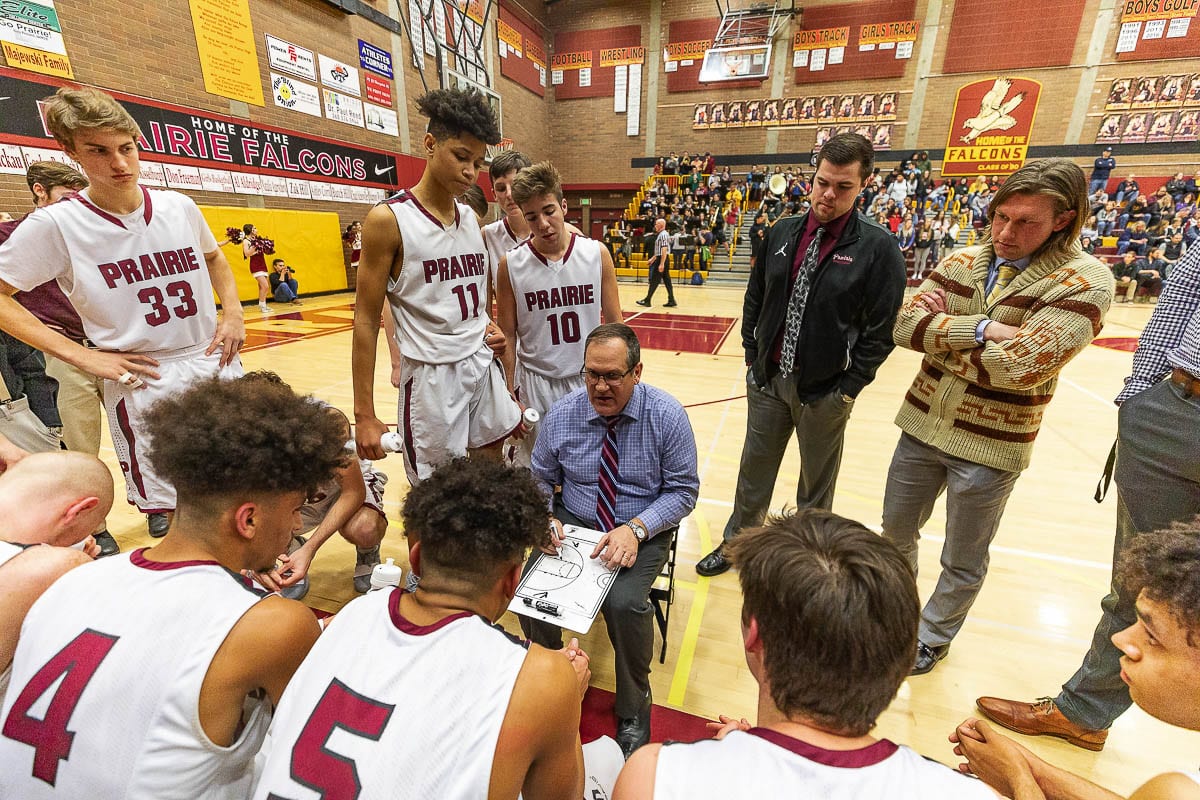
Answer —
1126 343
680 332
596 720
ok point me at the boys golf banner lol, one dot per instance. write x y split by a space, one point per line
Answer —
990 127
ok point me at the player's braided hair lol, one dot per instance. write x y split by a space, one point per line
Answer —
244 436
453 112
1163 565
475 516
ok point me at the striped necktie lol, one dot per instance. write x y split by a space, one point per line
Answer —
796 304
606 495
1003 279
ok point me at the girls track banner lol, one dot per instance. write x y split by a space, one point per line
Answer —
176 135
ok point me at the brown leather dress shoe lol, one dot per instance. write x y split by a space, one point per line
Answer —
1040 718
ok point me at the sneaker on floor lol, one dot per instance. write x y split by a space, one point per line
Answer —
108 545
262 307
298 590
367 561
642 302
157 525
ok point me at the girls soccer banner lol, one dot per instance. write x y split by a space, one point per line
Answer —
990 127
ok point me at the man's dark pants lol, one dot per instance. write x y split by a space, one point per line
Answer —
657 277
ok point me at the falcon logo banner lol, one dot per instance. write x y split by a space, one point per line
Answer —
990 127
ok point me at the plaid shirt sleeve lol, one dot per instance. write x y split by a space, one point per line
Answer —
1177 314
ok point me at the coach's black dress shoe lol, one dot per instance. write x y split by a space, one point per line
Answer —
928 657
642 302
157 524
108 545
714 563
634 732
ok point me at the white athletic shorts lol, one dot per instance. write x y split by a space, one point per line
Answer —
602 763
537 391
447 409
312 512
178 369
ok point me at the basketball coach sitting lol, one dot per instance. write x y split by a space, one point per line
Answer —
625 457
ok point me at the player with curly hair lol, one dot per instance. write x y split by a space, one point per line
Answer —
166 661
439 700
1160 657
423 251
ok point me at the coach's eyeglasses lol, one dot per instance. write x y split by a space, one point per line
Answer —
594 378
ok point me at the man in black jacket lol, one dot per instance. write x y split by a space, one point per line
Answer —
816 324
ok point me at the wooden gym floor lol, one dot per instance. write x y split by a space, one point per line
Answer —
1026 634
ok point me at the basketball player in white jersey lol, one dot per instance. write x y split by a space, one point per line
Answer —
350 503
511 229
431 699
151 674
423 251
48 501
551 292
829 623
140 266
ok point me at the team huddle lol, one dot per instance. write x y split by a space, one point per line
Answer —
190 670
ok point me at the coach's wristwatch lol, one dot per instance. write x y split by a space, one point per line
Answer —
639 530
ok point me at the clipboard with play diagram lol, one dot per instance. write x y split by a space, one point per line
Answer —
566 589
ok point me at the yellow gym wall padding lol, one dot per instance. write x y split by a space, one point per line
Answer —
309 241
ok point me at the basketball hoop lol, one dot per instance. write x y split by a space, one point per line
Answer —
493 150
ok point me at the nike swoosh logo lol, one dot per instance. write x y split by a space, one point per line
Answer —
385 171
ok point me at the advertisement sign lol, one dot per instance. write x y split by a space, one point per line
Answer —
295 96
379 90
374 59
339 75
343 108
990 127
32 37
290 58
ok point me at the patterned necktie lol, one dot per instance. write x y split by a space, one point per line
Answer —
1007 273
796 303
606 495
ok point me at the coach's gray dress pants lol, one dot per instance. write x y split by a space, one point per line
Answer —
975 498
1158 482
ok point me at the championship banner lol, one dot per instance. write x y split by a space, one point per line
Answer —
1142 10
876 33
536 51
509 35
186 136
686 51
821 37
990 127
563 61
622 56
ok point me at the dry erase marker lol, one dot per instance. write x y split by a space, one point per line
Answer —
543 606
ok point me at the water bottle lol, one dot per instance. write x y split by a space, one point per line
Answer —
531 416
391 442
386 575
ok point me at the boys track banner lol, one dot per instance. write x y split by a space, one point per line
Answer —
990 127
177 135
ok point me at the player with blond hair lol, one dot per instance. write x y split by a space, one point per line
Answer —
140 266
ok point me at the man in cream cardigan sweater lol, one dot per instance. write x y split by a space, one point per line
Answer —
996 322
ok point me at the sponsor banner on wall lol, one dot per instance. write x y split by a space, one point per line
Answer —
32 37
11 160
990 127
201 138
375 59
295 95
225 43
339 75
381 120
343 108
293 59
378 90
